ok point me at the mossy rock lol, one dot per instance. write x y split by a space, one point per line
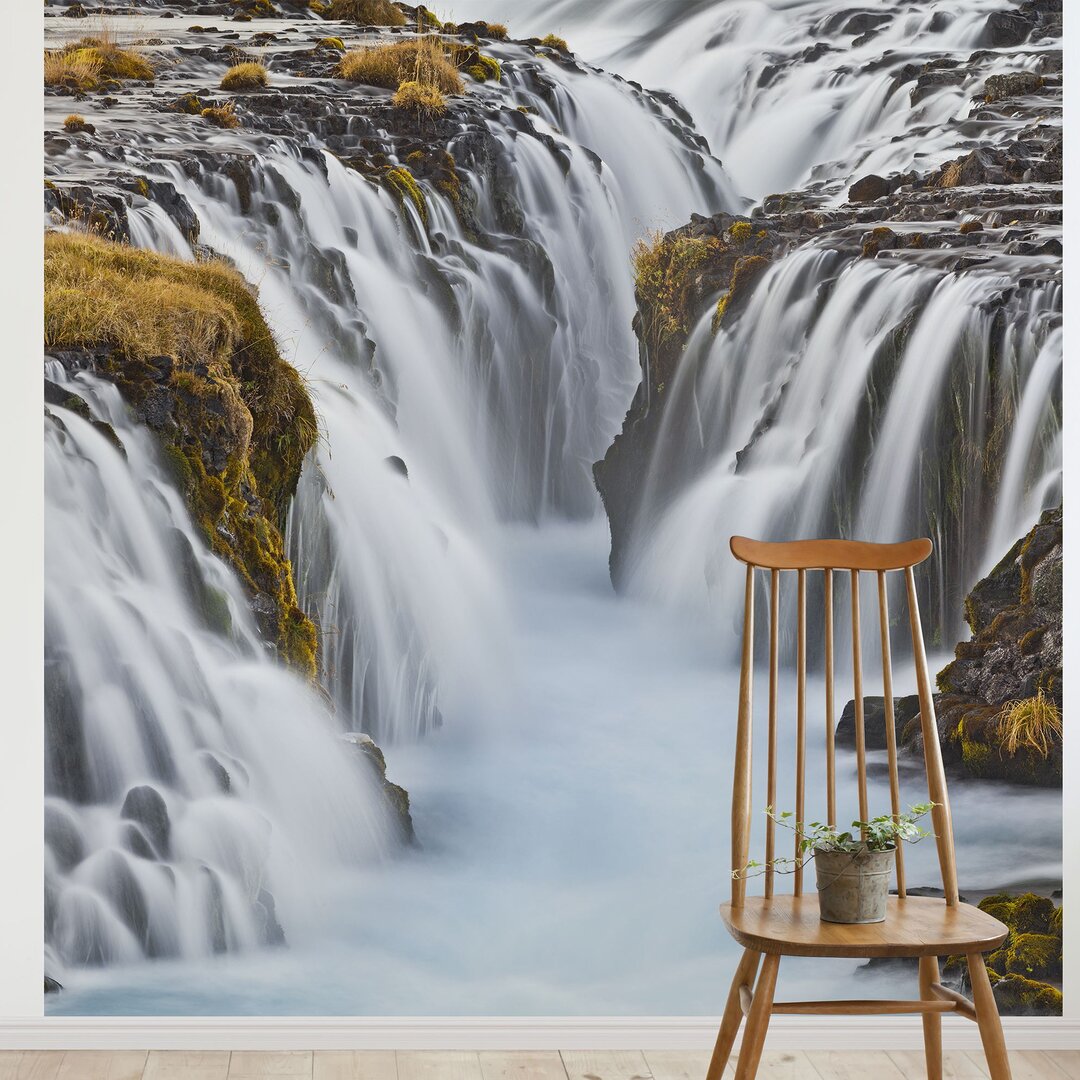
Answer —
1017 996
1034 956
189 349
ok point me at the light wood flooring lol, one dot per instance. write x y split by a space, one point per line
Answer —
501 1065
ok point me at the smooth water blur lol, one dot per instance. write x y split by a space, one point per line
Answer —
787 91
574 853
157 681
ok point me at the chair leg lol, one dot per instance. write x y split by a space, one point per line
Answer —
757 1023
931 1022
729 1026
993 1040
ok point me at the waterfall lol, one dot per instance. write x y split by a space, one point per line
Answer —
793 91
471 354
192 784
817 413
461 380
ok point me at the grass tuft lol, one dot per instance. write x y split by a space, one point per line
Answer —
86 64
553 41
366 12
248 76
222 116
422 61
425 100
1032 724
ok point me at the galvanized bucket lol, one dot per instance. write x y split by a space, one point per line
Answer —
854 888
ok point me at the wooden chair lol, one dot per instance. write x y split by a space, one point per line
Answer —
771 926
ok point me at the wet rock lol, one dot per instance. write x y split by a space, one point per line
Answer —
869 188
1004 28
146 806
133 839
1015 84
62 837
52 986
270 930
397 798
905 709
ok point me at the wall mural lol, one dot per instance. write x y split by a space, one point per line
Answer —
406 372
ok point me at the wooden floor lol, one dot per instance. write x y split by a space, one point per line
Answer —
498 1065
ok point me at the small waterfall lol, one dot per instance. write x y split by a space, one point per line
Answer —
192 784
817 413
794 91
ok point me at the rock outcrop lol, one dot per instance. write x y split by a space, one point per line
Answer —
999 702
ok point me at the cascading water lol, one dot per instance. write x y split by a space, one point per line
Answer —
794 91
470 357
192 784
815 415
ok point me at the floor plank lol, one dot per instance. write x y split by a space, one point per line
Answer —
605 1065
681 1064
102 1065
522 1065
1025 1065
355 1065
782 1065
438 1065
283 1064
854 1065
187 1065
956 1065
1068 1061
30 1064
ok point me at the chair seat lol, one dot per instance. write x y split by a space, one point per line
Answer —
913 926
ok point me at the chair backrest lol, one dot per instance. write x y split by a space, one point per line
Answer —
830 557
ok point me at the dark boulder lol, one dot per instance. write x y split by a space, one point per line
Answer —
869 188
146 806
905 709
1014 84
1004 28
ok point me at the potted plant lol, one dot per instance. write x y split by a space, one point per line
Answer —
853 867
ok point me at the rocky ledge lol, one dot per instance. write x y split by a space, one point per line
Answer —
1000 701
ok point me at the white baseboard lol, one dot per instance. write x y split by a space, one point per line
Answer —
504 1033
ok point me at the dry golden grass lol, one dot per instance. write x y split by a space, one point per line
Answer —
74 123
78 70
101 293
366 12
422 61
425 100
84 64
1031 724
249 76
222 116
553 41
497 31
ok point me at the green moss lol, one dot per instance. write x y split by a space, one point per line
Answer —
1034 955
427 20
744 276
334 43
403 185
1015 994
188 103
741 232
484 68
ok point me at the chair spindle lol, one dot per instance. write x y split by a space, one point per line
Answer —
742 788
800 736
860 728
830 705
890 721
774 674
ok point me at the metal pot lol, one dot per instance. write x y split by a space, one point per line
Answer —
853 887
